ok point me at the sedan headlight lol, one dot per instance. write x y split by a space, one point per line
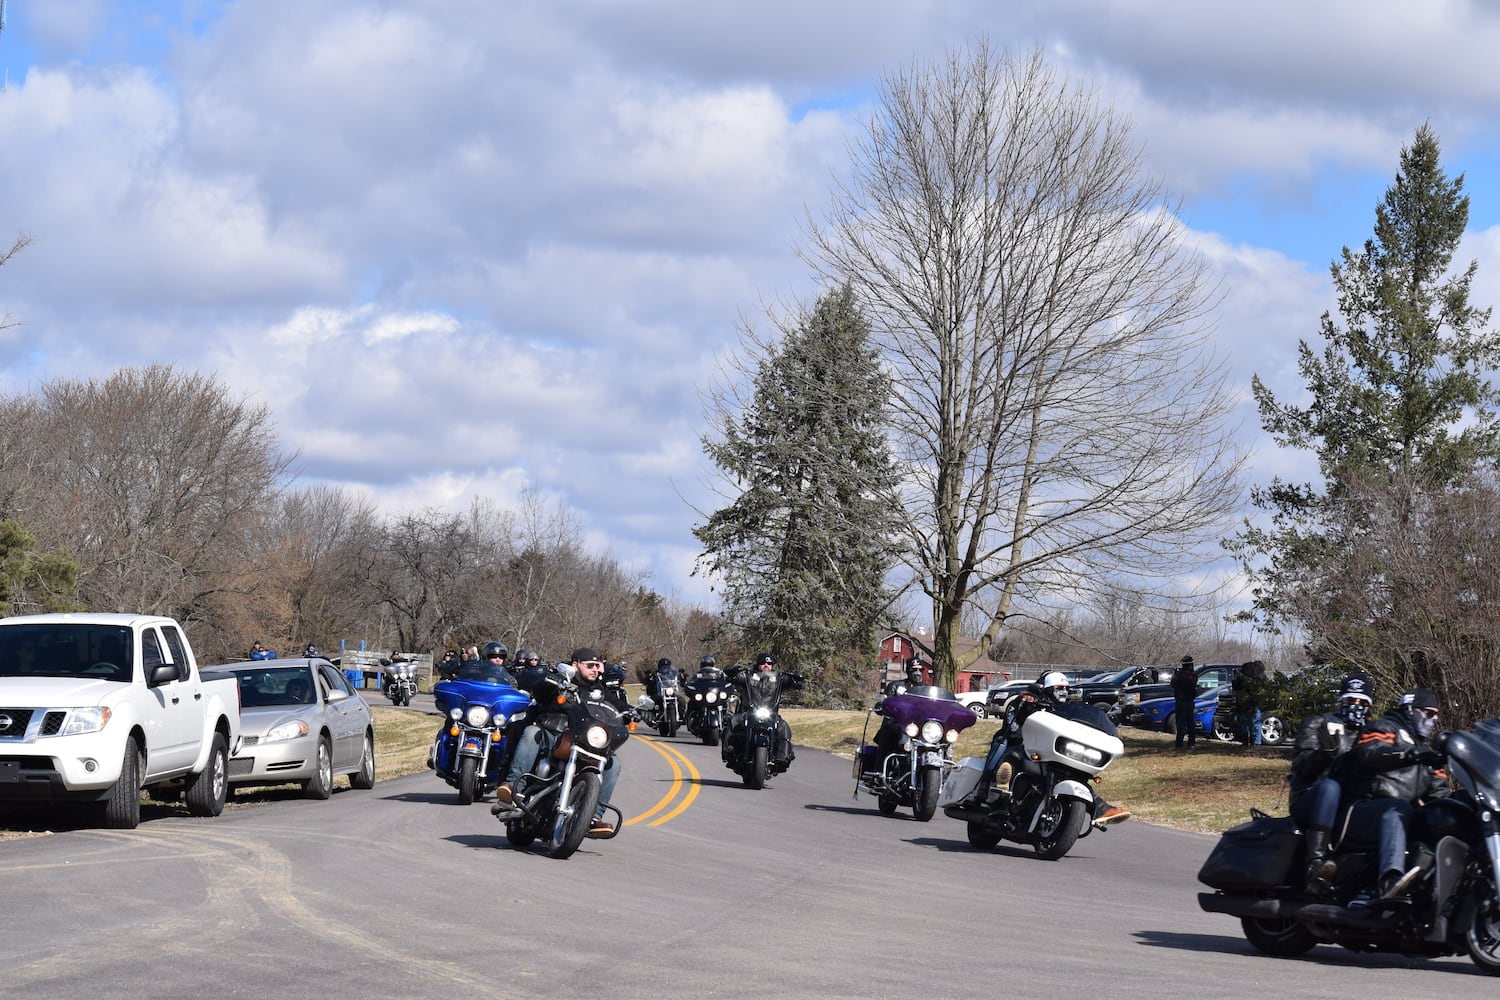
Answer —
477 716
286 731
598 737
85 720
932 731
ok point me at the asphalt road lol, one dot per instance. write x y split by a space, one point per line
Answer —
711 890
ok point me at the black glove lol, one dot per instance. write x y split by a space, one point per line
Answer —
1429 758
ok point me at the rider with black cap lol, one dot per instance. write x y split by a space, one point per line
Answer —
1318 761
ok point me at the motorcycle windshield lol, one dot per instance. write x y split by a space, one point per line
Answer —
914 706
1089 715
500 698
588 714
1479 759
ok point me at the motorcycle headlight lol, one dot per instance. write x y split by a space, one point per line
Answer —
951 736
85 720
455 714
477 716
697 695
713 696
669 692
597 737
286 731
932 731
1074 750
762 714
911 729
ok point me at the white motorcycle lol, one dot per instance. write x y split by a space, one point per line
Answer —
1047 802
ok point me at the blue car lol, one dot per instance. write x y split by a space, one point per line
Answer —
1161 713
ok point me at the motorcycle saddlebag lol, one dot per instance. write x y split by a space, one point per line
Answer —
1260 854
962 778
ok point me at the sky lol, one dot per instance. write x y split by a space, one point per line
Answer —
466 248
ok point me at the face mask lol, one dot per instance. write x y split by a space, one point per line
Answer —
1355 714
1424 724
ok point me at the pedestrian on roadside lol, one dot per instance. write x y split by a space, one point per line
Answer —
1184 692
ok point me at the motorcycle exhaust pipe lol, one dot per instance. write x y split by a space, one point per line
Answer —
1288 909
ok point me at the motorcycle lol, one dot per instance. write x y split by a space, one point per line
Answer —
1258 871
929 719
470 752
559 797
1047 802
705 697
400 682
755 747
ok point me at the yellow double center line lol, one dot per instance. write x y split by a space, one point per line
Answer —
678 761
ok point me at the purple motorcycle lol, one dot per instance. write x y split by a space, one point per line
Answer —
904 764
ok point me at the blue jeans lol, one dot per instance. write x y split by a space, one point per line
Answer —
1389 817
1318 805
530 746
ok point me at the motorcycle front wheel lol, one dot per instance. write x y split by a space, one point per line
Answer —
1483 937
710 734
583 799
1278 937
755 771
1058 829
928 781
468 780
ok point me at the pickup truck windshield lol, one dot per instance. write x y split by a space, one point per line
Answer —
101 652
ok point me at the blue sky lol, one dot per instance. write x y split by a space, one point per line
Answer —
464 248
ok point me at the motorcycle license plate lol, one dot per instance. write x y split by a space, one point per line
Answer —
471 746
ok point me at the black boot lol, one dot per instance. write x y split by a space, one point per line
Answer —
1320 867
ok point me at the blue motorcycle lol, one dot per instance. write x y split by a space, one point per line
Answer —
470 752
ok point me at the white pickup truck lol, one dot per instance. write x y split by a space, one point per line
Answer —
96 707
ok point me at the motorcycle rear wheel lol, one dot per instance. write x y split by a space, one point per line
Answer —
1058 829
1483 937
928 781
468 780
755 769
1279 937
584 799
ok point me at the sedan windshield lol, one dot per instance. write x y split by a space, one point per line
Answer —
281 686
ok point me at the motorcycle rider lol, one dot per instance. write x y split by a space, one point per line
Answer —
1393 768
888 736
1047 694
1318 760
490 666
790 681
540 736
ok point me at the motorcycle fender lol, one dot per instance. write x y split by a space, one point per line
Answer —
1070 789
471 747
930 758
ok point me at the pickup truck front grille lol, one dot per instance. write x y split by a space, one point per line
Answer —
52 723
16 720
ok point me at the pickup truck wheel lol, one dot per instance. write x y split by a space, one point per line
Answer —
207 791
320 785
365 776
122 810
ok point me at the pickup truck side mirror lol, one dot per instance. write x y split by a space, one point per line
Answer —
162 673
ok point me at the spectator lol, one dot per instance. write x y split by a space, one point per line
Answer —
1184 693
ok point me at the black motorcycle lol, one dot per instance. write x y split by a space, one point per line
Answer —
705 698
1258 873
558 799
758 744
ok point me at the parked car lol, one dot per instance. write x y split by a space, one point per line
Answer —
1210 676
301 722
1288 699
1106 691
1161 713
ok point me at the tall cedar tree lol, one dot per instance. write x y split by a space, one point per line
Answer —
803 550
1398 398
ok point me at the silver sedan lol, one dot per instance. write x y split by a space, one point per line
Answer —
300 721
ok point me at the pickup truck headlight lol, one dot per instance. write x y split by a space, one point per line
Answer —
286 731
85 720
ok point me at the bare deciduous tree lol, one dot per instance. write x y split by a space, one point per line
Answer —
1059 416
20 244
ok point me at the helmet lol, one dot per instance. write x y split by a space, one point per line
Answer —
1056 683
707 661
494 649
522 655
663 662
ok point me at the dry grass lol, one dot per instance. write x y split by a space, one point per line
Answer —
1209 789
